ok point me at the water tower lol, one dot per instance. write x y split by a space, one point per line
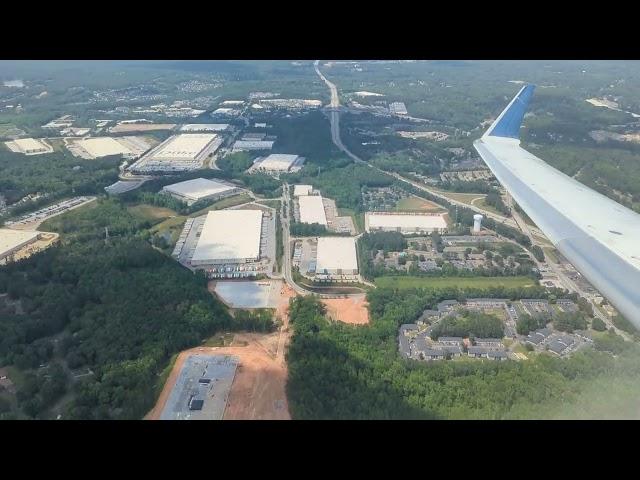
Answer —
477 222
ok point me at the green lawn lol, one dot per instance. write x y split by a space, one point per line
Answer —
151 212
416 204
463 282
358 218
224 203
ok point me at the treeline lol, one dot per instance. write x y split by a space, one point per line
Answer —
259 320
57 175
370 243
235 165
339 371
494 200
89 223
299 229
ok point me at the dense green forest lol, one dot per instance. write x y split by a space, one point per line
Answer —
469 324
339 371
527 323
56 175
341 180
120 309
117 308
235 164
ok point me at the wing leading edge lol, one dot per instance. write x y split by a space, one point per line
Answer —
597 235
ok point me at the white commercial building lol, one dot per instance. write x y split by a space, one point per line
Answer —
477 222
191 191
205 127
299 190
406 223
29 146
13 240
276 163
183 152
312 209
337 256
398 108
229 236
245 145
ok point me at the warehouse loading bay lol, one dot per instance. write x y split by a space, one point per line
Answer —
335 222
188 240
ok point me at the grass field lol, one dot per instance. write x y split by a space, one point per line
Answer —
224 203
403 282
460 197
151 212
270 203
483 205
416 204
358 218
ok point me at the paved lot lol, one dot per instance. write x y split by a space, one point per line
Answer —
202 377
261 294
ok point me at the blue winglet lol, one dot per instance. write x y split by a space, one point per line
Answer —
509 121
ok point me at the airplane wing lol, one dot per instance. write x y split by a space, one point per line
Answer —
600 237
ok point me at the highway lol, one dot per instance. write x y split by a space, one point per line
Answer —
566 282
536 236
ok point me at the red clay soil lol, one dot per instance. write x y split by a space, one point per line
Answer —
351 310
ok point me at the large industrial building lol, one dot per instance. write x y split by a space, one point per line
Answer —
205 127
13 240
405 223
192 191
29 146
299 190
277 163
249 145
90 148
312 209
183 152
229 236
337 256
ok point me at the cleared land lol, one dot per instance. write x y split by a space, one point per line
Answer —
463 282
258 390
351 310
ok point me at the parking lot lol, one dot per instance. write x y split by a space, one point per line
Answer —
241 294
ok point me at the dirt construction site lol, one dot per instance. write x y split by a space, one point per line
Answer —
258 388
351 310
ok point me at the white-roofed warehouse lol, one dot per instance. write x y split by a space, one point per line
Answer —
299 190
312 209
277 162
405 223
337 256
229 236
191 191
13 240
